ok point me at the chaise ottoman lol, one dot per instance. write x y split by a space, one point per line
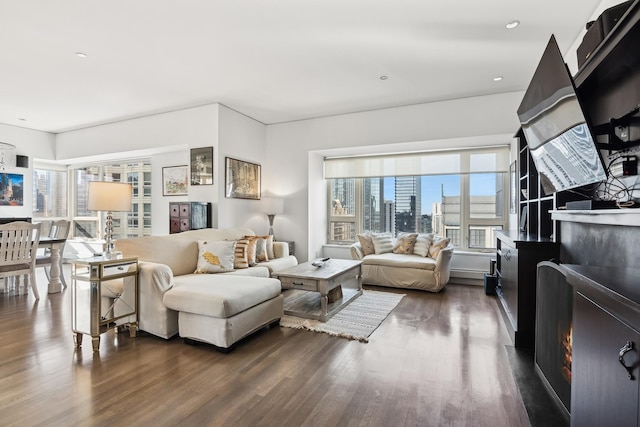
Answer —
223 309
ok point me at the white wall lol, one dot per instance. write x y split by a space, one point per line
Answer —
165 138
242 138
29 143
295 150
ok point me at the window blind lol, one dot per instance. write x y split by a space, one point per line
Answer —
477 160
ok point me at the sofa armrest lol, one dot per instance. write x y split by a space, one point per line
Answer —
280 249
443 264
356 251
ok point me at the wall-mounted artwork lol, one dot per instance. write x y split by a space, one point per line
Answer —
202 166
175 181
11 189
242 179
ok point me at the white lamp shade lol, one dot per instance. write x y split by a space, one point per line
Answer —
272 205
109 196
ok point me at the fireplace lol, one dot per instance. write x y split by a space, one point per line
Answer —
554 313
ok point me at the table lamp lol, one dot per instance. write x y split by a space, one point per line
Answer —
110 197
272 206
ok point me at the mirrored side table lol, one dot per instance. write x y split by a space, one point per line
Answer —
98 285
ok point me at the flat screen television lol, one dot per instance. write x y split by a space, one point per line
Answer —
559 138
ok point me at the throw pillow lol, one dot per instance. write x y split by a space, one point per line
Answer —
382 242
215 257
269 245
261 250
251 250
439 243
423 243
240 258
405 243
366 243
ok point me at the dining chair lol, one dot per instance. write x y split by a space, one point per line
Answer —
18 245
57 230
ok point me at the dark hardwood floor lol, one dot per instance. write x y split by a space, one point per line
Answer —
437 360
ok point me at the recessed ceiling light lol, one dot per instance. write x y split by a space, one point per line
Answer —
497 78
384 77
512 24
81 54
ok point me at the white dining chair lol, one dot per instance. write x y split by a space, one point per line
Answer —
18 245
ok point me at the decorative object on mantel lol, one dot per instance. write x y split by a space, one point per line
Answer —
356 321
202 166
110 197
272 206
11 189
242 179
175 180
7 155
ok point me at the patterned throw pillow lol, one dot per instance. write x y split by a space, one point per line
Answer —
366 244
382 242
251 250
240 258
423 243
269 245
439 243
405 243
215 257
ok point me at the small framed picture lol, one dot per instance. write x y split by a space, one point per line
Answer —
202 166
242 179
175 180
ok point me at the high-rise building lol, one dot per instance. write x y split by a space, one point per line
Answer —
408 201
389 224
372 204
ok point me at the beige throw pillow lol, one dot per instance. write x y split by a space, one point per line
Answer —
405 243
382 242
366 244
439 243
215 257
423 243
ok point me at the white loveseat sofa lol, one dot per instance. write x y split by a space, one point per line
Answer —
220 308
397 265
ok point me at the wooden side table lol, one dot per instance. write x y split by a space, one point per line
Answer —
95 277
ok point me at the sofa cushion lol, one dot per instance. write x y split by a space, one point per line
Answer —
382 242
404 243
366 244
438 244
220 296
423 243
400 261
215 257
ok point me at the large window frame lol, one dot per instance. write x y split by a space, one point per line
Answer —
470 224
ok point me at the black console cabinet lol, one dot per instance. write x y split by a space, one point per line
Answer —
517 257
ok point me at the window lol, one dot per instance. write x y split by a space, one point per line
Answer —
137 222
466 206
49 193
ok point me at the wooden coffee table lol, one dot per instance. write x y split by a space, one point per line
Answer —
306 288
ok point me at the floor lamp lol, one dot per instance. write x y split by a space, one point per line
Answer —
272 206
110 197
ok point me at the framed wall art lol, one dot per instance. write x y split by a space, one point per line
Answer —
175 180
202 166
11 189
242 179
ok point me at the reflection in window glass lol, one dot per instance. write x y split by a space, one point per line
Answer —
49 193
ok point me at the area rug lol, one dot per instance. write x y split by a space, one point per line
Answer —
356 321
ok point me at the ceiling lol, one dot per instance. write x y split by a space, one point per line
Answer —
275 61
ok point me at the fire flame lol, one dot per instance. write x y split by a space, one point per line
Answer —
566 341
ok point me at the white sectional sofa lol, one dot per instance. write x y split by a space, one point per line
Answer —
396 265
219 308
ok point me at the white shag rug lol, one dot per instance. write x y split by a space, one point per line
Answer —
356 321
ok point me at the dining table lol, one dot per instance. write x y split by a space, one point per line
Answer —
55 245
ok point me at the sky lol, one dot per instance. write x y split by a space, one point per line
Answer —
449 185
